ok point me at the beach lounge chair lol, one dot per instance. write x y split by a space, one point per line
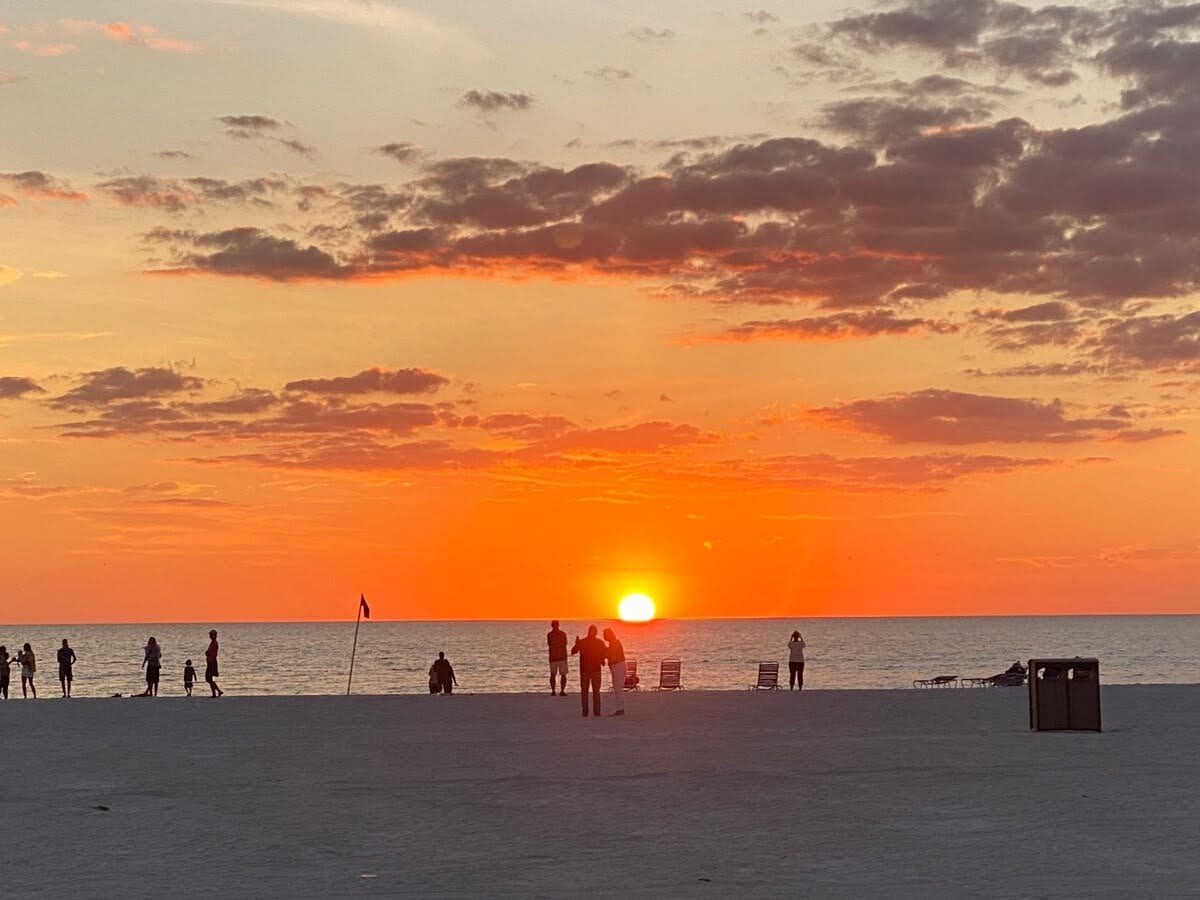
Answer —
632 682
939 681
768 677
669 676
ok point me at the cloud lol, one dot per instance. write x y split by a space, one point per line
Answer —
8 77
8 275
1158 342
14 387
249 125
173 154
402 152
925 472
760 17
249 252
951 417
40 186
173 195
839 326
376 380
105 386
610 74
488 102
131 34
647 35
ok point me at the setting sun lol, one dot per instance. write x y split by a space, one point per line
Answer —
636 608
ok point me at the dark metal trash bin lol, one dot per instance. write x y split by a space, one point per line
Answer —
1064 694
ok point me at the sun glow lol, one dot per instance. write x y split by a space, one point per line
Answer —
636 608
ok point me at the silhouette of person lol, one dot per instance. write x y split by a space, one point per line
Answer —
796 662
211 670
28 663
189 677
435 686
556 640
616 669
591 652
66 659
152 663
5 672
445 674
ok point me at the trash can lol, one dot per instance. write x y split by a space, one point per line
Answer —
1064 694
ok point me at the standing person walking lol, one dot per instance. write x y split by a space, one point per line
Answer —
444 673
556 640
152 663
5 672
616 669
66 659
28 664
591 652
796 661
211 671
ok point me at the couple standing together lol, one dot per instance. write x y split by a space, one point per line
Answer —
593 653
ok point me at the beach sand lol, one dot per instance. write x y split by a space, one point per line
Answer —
825 793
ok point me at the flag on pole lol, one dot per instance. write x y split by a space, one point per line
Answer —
362 604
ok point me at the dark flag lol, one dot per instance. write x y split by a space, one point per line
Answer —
362 604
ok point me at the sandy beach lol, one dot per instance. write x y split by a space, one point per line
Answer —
828 793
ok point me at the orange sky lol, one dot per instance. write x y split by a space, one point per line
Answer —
504 315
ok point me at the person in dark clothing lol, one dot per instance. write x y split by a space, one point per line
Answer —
211 670
556 640
796 661
5 672
445 674
189 677
592 654
66 659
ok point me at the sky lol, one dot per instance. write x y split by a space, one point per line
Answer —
508 309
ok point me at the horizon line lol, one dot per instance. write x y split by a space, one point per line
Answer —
216 623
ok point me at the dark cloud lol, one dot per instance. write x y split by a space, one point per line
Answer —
300 148
250 253
14 386
40 186
488 102
106 386
1040 370
838 326
173 194
401 152
173 154
952 417
250 124
385 381
1157 342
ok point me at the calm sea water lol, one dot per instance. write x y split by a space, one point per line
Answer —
717 654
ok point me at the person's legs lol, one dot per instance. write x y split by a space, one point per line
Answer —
595 693
448 687
800 675
24 688
583 690
791 676
552 668
617 672
70 679
62 680
562 678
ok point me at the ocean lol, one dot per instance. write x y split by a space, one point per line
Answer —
510 656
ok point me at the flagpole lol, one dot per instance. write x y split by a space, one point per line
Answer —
354 648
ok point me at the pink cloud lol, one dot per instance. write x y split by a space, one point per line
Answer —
131 34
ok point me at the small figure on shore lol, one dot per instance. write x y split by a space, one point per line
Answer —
152 663
435 686
444 672
591 652
66 660
616 669
5 673
28 663
796 662
189 677
211 671
556 640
